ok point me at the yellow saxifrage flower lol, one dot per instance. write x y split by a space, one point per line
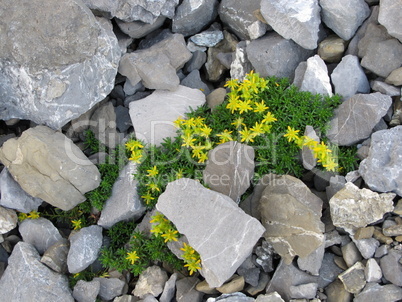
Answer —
269 118
188 140
33 215
203 157
170 235
260 107
247 135
153 187
225 136
153 172
258 129
136 156
132 256
193 266
147 197
244 106
291 134
238 122
77 224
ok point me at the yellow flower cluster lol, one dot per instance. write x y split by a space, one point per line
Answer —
191 258
320 150
132 257
164 227
30 215
136 148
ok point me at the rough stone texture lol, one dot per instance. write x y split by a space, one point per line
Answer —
233 285
196 62
55 256
230 169
272 297
391 267
139 29
337 292
234 297
38 282
350 254
349 78
344 16
303 291
313 262
296 20
329 271
372 271
84 248
315 78
355 118
272 55
208 38
203 216
169 289
85 291
135 10
287 276
157 65
154 115
367 247
186 291
193 80
124 203
111 288
8 220
57 63
331 49
41 233
390 17
395 77
381 170
385 88
151 281
14 197
291 215
240 65
352 208
353 278
242 19
48 165
374 292
192 16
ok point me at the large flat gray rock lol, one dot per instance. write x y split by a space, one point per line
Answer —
57 63
214 225
27 279
154 115
48 165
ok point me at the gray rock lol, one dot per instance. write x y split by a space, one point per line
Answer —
139 29
193 80
315 78
208 38
349 78
390 17
135 10
290 232
391 267
299 73
331 49
196 62
273 55
55 257
351 254
169 289
86 291
373 34
186 291
123 120
111 288
27 279
381 169
395 77
352 208
151 281
312 263
154 115
385 88
48 165
229 169
240 65
356 117
336 183
204 223
56 64
372 271
130 89
344 17
374 292
262 284
353 278
8 220
157 65
124 203
125 298
272 297
84 248
367 247
303 291
285 277
242 19
337 292
296 20
41 233
395 230
329 270
265 256
192 16
234 284
234 297
14 197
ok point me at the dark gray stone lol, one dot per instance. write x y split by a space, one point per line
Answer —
196 62
193 80
169 289
27 279
85 291
329 270
296 20
56 64
55 256
111 288
84 248
123 120
336 183
272 55
391 267
265 256
356 117
390 17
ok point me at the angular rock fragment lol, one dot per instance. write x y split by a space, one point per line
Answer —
85 291
111 288
374 292
139 29
186 290
57 63
372 271
154 115
352 208
151 281
47 165
8 220
355 118
55 256
381 170
230 169
214 225
291 215
391 267
315 78
353 278
296 20
37 282
390 17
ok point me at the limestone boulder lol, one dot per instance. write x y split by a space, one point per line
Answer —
214 225
390 17
315 77
46 164
57 63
